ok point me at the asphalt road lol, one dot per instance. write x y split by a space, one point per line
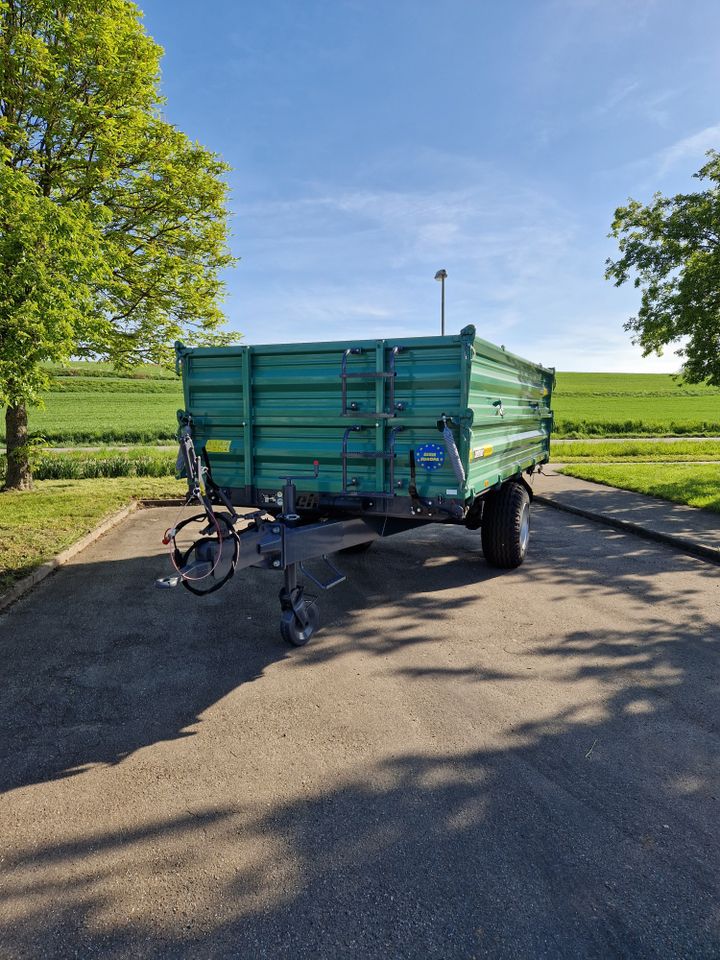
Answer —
464 763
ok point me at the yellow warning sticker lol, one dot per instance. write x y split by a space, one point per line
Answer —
218 446
479 452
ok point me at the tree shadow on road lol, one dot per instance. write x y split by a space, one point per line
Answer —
588 829
97 663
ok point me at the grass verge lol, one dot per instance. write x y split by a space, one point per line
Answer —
697 485
36 525
640 451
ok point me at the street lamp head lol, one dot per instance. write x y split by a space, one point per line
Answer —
441 275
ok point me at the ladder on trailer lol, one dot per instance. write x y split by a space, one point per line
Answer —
386 408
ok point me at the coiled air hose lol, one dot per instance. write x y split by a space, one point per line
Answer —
451 449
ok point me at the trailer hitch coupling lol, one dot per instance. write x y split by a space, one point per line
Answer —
210 560
226 540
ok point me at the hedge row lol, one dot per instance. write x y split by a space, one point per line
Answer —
577 429
93 466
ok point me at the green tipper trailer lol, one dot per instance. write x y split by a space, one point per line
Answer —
336 444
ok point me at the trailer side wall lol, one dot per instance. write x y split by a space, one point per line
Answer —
267 412
509 400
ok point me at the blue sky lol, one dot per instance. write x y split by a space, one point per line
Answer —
374 142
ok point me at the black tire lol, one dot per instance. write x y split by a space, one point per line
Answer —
291 631
358 548
506 526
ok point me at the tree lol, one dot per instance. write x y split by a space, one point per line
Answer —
673 246
113 224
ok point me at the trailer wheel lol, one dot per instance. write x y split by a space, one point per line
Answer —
506 526
291 630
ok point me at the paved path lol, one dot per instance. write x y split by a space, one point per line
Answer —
464 763
686 524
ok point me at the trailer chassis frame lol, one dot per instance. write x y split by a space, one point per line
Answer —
286 540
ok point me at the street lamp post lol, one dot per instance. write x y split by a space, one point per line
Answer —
441 275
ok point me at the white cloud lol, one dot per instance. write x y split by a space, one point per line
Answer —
483 226
656 107
631 97
616 96
676 162
337 263
692 148
599 346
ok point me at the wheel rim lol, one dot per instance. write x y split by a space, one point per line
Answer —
293 632
524 528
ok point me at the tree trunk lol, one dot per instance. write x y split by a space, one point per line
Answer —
19 475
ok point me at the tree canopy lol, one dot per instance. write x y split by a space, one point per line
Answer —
672 246
113 224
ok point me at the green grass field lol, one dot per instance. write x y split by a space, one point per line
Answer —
638 451
695 484
633 404
90 403
104 417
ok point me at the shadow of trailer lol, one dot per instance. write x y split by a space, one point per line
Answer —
333 445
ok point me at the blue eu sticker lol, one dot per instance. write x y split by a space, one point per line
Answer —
430 455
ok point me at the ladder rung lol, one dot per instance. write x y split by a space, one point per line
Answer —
370 455
371 414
